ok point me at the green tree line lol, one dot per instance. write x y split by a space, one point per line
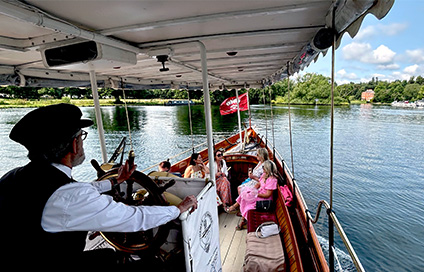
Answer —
314 88
310 88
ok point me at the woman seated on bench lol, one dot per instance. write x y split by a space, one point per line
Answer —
255 175
196 169
261 191
223 186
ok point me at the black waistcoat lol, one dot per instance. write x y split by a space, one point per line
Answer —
24 192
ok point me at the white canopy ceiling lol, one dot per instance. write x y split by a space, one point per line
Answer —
265 37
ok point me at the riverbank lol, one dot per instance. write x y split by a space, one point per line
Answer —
27 103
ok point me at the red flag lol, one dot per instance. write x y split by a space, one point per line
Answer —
230 104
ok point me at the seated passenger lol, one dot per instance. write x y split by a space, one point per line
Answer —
261 191
164 166
223 188
196 169
254 176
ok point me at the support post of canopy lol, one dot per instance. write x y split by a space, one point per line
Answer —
238 116
189 117
208 114
330 220
99 119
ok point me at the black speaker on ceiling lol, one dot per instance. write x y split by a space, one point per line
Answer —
324 38
68 54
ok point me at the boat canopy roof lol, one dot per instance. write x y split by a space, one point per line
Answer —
249 44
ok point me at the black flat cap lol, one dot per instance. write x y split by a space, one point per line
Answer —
47 126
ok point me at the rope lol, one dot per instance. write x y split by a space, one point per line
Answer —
126 112
272 121
189 117
290 128
266 119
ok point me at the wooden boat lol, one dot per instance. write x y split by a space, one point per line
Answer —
301 246
188 45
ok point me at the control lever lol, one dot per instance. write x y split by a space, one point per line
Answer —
131 156
100 171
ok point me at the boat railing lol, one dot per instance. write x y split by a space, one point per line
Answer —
179 154
340 230
180 179
330 212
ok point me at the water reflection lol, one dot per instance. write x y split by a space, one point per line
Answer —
115 118
378 170
219 122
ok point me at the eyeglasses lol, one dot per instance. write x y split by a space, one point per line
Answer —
219 155
83 135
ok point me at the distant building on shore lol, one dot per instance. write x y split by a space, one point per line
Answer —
367 95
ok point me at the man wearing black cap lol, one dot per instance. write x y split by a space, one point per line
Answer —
45 214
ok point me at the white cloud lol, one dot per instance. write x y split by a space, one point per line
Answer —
392 66
365 79
408 72
355 50
379 76
403 74
380 29
342 82
400 76
392 29
365 33
343 75
412 70
381 55
363 52
416 56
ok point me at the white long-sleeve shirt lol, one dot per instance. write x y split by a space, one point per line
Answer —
80 206
224 168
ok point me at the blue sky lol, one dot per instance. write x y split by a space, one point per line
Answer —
390 49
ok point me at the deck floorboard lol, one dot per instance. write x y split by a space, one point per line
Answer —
232 243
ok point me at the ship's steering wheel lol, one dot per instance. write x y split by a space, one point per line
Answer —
138 190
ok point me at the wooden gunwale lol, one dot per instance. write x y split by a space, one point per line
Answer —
227 144
308 232
287 233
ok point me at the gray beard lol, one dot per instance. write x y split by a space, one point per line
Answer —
78 160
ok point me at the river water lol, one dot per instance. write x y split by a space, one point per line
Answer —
378 164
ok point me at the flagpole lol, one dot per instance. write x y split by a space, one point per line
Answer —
248 107
238 115
248 104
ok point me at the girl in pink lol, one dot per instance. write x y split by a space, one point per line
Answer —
261 191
